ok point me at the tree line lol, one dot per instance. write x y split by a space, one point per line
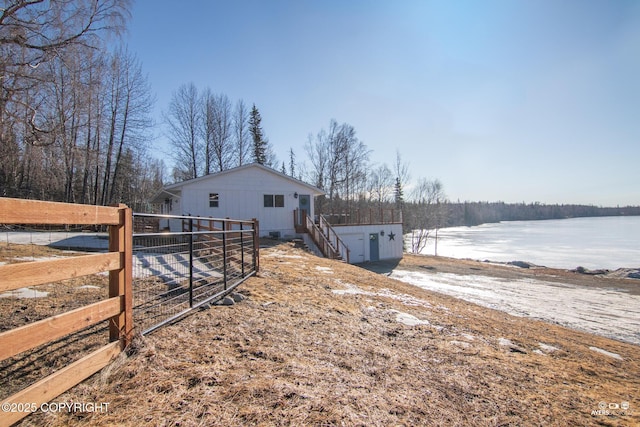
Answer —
74 114
475 213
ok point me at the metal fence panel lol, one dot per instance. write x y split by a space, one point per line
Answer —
177 271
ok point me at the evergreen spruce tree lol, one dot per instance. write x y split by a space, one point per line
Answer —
259 143
399 194
292 163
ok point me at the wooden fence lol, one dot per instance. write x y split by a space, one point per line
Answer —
117 308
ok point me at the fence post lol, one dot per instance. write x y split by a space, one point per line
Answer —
256 245
191 261
241 249
120 281
225 226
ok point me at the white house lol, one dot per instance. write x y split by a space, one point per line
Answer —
277 201
245 192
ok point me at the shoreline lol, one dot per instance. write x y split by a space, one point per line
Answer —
618 273
602 278
599 304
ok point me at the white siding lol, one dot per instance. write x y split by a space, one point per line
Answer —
241 196
388 248
355 243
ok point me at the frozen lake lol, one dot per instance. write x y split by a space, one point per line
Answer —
603 242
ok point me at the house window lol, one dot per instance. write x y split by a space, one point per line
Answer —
213 200
274 200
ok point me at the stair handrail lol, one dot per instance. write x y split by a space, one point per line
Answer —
320 239
340 246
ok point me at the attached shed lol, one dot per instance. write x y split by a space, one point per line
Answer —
245 192
372 242
358 236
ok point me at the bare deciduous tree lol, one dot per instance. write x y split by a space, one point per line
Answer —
339 160
217 127
74 117
133 116
241 133
428 214
33 32
380 185
183 120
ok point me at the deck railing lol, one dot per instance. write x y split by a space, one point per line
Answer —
368 216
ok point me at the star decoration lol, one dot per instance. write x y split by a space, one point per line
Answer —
392 236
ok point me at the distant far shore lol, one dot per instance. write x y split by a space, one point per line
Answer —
477 213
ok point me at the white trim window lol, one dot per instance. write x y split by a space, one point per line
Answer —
214 200
274 200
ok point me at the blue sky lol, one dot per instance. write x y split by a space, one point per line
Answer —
510 100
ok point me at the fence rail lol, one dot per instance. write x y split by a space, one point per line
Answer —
117 308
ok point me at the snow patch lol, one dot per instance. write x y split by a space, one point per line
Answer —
547 348
504 342
351 290
387 293
24 293
408 319
602 311
280 254
606 353
327 270
404 298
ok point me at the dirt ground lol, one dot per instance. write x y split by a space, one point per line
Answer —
319 342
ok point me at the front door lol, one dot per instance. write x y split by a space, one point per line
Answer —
374 249
304 204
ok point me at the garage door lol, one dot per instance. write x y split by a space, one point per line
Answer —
355 243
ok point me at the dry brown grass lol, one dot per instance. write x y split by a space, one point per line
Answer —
296 353
28 367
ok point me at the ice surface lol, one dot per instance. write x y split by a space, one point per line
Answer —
603 242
